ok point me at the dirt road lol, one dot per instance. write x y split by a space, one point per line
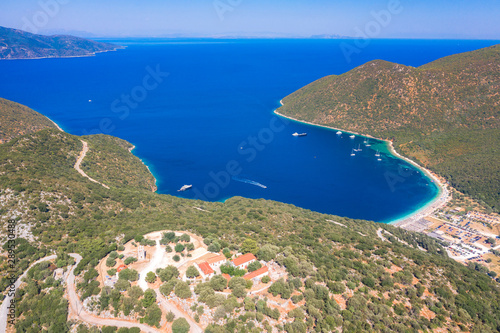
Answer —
77 307
4 308
82 155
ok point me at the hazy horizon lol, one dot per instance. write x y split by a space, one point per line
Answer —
438 19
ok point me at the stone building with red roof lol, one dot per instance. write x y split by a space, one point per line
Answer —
243 261
255 275
205 270
217 261
119 269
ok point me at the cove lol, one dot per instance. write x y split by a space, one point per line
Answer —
207 120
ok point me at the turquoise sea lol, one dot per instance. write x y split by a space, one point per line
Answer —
200 112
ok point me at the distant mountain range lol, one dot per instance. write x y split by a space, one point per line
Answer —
18 44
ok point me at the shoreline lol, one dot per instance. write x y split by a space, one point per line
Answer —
53 122
440 199
155 189
92 54
130 151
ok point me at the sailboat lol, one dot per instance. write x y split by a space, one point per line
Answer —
367 143
352 152
377 154
359 148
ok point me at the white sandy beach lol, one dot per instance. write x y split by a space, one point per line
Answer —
440 200
58 127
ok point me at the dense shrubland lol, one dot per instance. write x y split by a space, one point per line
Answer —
386 286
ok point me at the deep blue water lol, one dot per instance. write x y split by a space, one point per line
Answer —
213 113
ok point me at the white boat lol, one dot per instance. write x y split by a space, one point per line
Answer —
379 159
359 148
352 136
184 188
352 153
367 143
377 154
299 134
339 133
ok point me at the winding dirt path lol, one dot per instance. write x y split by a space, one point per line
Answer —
6 302
78 310
76 307
379 234
168 306
164 302
79 161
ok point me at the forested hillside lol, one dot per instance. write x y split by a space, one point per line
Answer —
445 115
387 286
18 44
109 158
17 119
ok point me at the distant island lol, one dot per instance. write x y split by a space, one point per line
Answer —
444 115
331 36
18 44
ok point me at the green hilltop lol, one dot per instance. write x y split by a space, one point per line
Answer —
17 119
404 284
109 158
445 115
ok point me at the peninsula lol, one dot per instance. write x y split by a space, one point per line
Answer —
443 115
18 44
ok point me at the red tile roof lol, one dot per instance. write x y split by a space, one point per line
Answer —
244 259
205 268
226 276
120 268
256 273
216 259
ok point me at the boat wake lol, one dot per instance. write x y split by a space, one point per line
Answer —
248 181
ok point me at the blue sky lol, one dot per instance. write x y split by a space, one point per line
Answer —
405 19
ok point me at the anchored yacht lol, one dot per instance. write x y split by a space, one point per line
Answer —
184 188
